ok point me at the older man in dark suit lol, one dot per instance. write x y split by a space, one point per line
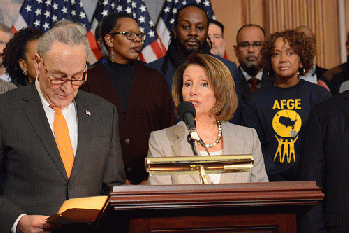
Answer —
56 142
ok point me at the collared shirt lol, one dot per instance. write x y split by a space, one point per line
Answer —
70 116
311 76
248 77
6 77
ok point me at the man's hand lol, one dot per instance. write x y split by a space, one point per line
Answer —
33 223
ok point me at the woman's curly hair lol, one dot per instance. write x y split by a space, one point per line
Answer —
15 50
302 45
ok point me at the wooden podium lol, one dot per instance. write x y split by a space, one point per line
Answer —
253 207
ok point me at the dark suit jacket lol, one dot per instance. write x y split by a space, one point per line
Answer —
335 77
319 71
325 159
245 87
149 108
32 175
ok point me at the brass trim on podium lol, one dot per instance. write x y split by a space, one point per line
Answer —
199 164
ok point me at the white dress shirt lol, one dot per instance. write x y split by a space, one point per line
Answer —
311 76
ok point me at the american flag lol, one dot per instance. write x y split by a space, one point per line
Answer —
43 14
153 49
169 11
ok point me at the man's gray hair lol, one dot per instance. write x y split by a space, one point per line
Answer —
6 29
68 22
67 34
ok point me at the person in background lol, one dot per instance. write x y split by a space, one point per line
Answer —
101 46
56 142
19 55
315 73
337 78
140 93
216 38
280 111
325 160
207 83
189 35
249 41
5 36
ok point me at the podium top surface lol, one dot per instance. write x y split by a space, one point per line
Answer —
192 196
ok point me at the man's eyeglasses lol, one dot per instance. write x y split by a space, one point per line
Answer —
76 80
130 35
255 45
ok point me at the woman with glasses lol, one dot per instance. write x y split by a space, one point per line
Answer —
140 93
280 111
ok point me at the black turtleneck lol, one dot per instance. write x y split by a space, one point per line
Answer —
121 76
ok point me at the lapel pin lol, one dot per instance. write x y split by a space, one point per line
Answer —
88 113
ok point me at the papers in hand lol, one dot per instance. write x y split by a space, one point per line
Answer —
79 210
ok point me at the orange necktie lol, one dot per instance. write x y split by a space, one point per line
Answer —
65 148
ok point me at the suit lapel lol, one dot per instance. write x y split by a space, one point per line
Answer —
180 147
229 149
345 105
84 132
36 115
234 138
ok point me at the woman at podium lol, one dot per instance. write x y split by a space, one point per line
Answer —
207 84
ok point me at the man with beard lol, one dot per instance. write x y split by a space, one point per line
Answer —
5 35
249 41
189 35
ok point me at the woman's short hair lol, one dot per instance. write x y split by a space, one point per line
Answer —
302 45
221 81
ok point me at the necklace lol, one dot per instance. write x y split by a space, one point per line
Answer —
218 138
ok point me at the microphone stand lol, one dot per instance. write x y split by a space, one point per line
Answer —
192 138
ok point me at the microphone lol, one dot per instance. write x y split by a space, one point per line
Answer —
187 113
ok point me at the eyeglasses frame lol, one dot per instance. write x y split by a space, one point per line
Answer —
84 75
136 34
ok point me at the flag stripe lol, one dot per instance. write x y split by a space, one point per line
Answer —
93 44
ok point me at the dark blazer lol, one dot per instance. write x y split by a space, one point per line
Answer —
319 71
335 77
33 179
325 159
245 87
149 108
